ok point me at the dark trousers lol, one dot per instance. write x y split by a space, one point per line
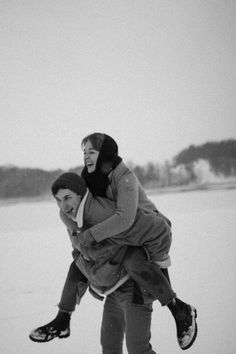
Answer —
149 276
122 317
151 279
74 288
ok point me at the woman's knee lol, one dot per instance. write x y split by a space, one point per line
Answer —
135 257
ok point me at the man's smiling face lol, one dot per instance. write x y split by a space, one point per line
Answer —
68 201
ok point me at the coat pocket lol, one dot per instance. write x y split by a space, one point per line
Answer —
107 275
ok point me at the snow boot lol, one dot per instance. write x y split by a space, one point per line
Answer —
59 327
185 318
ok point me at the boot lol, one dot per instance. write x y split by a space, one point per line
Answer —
185 318
59 327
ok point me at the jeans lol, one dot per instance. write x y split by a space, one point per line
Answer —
74 288
121 316
149 276
151 279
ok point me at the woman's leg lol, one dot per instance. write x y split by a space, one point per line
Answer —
154 280
166 274
185 318
148 275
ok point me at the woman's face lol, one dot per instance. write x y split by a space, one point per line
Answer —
90 157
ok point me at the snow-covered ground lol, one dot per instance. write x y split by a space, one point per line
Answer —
35 255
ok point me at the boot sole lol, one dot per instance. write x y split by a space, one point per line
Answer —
48 340
194 315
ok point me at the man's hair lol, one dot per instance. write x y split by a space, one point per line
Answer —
69 180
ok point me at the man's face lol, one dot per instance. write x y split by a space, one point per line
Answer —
90 157
68 201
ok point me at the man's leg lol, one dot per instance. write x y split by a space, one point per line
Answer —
74 288
138 332
137 319
113 326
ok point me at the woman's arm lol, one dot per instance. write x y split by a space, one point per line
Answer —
126 209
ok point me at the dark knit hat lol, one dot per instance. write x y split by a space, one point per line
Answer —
69 180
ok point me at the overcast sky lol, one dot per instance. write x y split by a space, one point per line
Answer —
155 75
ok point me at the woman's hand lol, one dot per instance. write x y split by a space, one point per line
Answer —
85 238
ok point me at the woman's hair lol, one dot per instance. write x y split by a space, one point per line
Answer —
96 140
107 161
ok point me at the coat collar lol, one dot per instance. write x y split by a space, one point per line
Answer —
80 212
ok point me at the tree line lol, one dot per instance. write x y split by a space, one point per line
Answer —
197 164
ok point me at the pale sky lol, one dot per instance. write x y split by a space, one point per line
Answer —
155 75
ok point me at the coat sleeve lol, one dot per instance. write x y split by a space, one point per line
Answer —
125 212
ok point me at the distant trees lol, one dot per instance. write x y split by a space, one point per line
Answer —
220 155
210 162
25 182
162 175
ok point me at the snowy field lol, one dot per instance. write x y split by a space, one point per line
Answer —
35 255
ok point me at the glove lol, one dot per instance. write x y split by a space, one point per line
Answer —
86 239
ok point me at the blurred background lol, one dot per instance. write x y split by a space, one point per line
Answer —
157 76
